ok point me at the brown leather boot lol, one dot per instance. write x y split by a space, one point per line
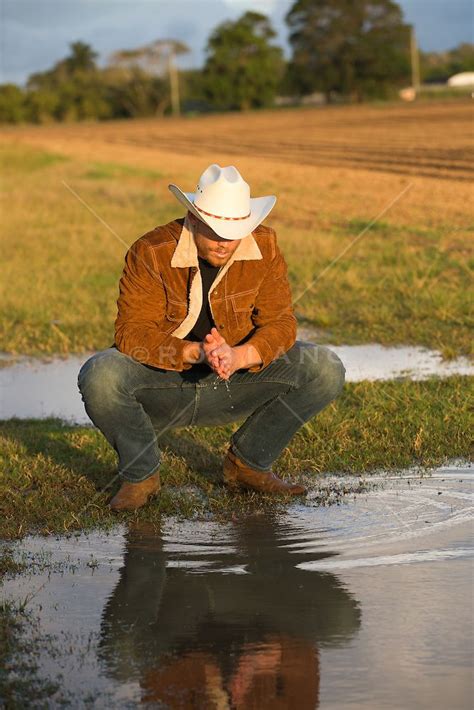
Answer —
133 495
236 473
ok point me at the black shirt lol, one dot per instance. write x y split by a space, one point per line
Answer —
205 321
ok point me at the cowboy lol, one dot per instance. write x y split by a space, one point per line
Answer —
205 335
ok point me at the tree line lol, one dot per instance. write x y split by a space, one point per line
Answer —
346 50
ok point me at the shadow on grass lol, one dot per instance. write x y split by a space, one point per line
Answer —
84 451
57 477
76 448
197 453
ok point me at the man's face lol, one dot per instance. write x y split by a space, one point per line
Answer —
210 246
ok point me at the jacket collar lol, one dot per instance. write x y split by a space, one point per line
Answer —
186 254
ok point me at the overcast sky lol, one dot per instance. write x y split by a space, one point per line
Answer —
36 33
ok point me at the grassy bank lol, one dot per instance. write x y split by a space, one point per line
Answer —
53 476
69 218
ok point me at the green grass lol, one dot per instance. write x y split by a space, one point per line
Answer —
18 160
68 223
399 285
53 476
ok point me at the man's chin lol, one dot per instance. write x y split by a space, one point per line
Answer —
217 260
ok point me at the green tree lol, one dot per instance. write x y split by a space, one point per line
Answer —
439 66
355 48
82 97
80 62
242 69
132 92
193 92
70 90
81 59
41 105
12 104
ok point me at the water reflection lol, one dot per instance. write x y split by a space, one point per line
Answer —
200 625
213 615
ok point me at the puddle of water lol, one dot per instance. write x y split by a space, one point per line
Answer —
364 604
377 362
33 388
380 362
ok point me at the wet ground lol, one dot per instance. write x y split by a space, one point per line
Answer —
365 604
39 389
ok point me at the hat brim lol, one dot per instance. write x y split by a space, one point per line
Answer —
229 229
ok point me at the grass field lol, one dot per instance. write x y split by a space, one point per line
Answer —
385 187
374 217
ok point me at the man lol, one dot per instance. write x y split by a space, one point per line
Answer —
205 335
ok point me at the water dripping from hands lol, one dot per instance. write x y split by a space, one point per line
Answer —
227 386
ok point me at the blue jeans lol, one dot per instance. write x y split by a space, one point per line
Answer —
133 404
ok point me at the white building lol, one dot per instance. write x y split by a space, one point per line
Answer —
465 78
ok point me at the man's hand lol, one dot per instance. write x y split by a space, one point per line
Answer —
193 352
217 353
197 352
226 359
220 356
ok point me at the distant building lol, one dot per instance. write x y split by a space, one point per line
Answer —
465 78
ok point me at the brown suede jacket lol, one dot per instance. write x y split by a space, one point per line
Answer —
161 296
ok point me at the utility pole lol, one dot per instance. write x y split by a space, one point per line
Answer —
415 60
174 83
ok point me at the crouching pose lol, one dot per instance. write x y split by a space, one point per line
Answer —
205 335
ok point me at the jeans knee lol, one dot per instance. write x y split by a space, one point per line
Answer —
325 369
102 373
338 373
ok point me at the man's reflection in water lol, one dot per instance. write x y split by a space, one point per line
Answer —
204 637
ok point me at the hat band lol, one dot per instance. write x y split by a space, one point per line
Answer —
209 214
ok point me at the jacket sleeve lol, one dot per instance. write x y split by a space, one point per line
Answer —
273 313
141 327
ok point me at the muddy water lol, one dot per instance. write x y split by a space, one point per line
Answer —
34 388
366 604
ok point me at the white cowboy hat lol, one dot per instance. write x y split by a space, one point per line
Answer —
222 200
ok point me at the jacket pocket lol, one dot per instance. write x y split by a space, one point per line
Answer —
176 311
244 300
243 304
